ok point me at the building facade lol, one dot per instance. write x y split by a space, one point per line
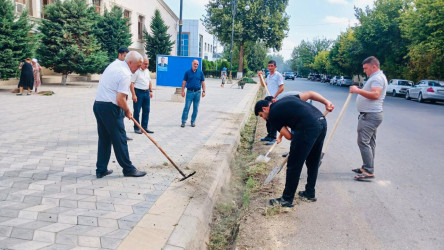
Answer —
139 12
196 41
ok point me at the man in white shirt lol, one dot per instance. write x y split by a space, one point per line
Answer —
275 84
142 91
110 108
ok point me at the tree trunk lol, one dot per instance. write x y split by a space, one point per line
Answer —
240 69
64 78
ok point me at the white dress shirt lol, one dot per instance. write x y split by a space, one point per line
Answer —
141 79
115 79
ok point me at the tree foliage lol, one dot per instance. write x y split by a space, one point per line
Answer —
256 57
423 26
158 42
113 32
304 54
68 42
347 54
16 43
266 21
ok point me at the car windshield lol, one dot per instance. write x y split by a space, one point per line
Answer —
432 83
290 73
405 83
346 77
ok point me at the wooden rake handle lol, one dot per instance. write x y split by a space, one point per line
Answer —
261 79
157 145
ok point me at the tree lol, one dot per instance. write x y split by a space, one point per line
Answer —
380 35
16 42
347 53
113 32
256 56
321 63
422 24
265 21
159 41
68 42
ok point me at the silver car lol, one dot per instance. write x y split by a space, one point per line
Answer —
334 80
344 81
398 87
432 90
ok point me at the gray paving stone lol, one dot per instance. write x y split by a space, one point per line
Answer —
22 233
5 212
118 234
105 206
89 241
87 221
110 243
35 225
68 203
128 225
50 217
5 231
66 239
44 236
11 243
36 200
58 247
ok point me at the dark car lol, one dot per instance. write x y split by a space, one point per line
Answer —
325 78
289 75
317 77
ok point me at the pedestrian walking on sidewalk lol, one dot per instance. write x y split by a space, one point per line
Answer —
142 92
26 77
223 76
194 81
36 72
308 127
110 108
275 85
369 104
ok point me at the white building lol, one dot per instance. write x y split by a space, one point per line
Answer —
196 41
139 12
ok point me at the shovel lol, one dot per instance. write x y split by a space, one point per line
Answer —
163 152
265 158
278 168
261 78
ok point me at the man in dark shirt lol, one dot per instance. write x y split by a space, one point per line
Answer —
194 81
309 128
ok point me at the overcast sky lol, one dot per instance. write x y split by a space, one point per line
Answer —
308 19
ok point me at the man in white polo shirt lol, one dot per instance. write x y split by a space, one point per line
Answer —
110 108
275 84
142 91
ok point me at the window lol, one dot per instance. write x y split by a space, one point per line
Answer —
127 14
140 27
184 45
96 4
21 5
200 45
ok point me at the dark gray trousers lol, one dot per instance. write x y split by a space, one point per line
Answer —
367 126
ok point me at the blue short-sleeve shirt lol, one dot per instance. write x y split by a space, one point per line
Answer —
194 79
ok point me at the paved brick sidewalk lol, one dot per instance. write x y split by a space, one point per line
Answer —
49 196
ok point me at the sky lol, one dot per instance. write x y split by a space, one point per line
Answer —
308 19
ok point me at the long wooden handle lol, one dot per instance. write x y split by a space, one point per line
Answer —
261 79
271 149
157 145
337 122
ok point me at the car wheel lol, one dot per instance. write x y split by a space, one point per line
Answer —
407 95
420 99
394 93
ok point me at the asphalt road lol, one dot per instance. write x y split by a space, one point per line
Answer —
403 207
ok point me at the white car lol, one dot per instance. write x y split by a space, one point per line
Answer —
344 81
398 86
432 90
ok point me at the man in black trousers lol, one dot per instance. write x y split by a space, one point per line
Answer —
110 108
309 127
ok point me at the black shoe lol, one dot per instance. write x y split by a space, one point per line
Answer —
129 139
303 194
108 172
182 125
280 201
270 142
137 131
285 155
193 124
266 138
149 131
135 173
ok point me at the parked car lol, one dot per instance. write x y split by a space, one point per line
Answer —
310 76
317 77
289 75
334 79
398 86
298 75
431 90
344 81
325 78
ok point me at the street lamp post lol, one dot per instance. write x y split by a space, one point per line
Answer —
180 30
233 11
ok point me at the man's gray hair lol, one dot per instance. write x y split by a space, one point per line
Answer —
145 57
133 56
372 61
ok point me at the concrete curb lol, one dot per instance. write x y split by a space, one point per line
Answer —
181 217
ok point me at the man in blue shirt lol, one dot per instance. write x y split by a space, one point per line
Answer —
194 81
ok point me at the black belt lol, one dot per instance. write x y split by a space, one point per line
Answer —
193 90
144 90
